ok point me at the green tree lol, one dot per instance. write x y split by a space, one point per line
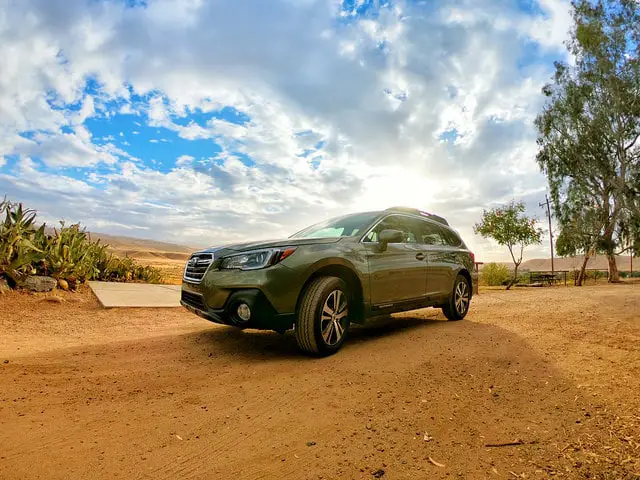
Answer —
589 130
579 228
510 227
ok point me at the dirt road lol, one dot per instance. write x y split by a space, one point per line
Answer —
92 393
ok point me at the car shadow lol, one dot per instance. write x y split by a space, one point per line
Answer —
263 345
388 325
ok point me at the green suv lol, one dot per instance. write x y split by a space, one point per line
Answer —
329 275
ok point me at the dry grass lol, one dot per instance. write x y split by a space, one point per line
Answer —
170 264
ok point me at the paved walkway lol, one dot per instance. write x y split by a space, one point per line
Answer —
111 294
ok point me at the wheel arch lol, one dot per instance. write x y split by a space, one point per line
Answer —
345 272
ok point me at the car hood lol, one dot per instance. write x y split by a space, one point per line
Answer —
288 242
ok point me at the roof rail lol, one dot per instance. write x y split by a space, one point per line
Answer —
421 213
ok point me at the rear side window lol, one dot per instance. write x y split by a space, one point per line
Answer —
450 238
430 234
433 234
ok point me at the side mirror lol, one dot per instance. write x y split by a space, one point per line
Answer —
389 236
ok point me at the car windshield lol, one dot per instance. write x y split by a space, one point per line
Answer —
346 226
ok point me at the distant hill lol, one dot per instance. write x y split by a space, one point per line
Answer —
134 246
599 262
141 248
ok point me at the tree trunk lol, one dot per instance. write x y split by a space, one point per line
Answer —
515 277
583 269
614 275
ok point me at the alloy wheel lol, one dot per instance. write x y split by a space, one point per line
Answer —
462 297
334 317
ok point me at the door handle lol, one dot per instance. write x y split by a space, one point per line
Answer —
420 256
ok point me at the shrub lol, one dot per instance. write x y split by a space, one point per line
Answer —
625 274
495 274
69 253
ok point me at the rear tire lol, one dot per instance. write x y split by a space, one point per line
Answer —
323 316
457 305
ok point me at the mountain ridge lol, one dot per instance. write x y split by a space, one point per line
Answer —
597 262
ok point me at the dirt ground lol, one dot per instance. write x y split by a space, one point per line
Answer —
162 394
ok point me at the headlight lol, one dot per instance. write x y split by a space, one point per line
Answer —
249 261
256 259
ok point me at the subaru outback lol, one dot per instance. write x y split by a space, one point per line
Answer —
327 276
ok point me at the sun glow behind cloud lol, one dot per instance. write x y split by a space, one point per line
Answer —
205 122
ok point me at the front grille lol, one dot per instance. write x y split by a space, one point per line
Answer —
193 299
197 266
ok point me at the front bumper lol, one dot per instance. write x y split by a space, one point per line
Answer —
263 314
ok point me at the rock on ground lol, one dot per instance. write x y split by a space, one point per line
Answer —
37 283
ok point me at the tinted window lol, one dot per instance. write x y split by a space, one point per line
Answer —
451 238
433 234
396 222
430 234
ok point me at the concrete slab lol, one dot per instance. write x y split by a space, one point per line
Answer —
111 294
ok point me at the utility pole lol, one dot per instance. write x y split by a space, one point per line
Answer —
546 203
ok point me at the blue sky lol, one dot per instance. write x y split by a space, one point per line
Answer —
202 122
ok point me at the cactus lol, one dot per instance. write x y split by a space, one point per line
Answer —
67 254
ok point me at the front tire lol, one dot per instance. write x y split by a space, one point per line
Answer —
457 305
323 316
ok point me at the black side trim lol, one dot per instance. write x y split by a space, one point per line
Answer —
403 306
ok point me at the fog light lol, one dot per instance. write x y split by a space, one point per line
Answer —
244 312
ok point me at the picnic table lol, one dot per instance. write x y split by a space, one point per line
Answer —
545 278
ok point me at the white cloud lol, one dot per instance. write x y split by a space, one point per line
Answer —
67 149
86 111
184 160
378 93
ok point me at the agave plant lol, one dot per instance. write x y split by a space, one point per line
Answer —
68 254
18 254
